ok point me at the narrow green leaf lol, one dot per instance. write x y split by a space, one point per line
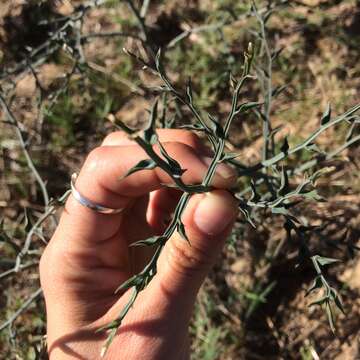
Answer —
189 92
216 127
177 171
150 135
229 156
246 106
330 316
326 115
246 214
147 164
275 54
255 297
233 81
195 127
313 195
158 61
285 146
170 122
278 90
149 242
279 210
284 182
317 284
267 15
181 230
317 174
325 260
108 341
133 281
339 304
275 130
254 197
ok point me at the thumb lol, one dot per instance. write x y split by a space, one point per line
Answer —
208 219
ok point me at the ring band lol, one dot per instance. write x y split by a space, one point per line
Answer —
88 203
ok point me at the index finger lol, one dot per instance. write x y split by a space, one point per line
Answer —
99 182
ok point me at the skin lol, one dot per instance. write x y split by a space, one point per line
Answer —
88 256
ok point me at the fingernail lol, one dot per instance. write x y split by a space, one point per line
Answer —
225 171
214 212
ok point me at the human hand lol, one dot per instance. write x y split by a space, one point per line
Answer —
88 257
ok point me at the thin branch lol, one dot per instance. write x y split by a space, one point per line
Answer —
33 297
50 210
23 145
265 75
13 270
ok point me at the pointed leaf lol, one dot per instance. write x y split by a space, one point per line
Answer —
229 156
317 284
317 174
246 106
330 316
338 303
181 230
246 214
325 261
147 164
107 343
216 127
133 281
177 171
233 81
284 182
278 90
158 60
254 197
149 241
326 115
275 54
189 91
285 146
150 135
279 210
313 195
275 130
195 127
267 15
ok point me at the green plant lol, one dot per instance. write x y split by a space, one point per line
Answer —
277 197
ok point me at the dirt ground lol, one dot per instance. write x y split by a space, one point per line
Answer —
321 58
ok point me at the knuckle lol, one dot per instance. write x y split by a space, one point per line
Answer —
94 158
51 274
174 148
189 138
186 259
181 135
114 138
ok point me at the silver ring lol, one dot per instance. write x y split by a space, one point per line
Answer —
88 203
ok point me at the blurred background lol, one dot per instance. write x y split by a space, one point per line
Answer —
64 74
